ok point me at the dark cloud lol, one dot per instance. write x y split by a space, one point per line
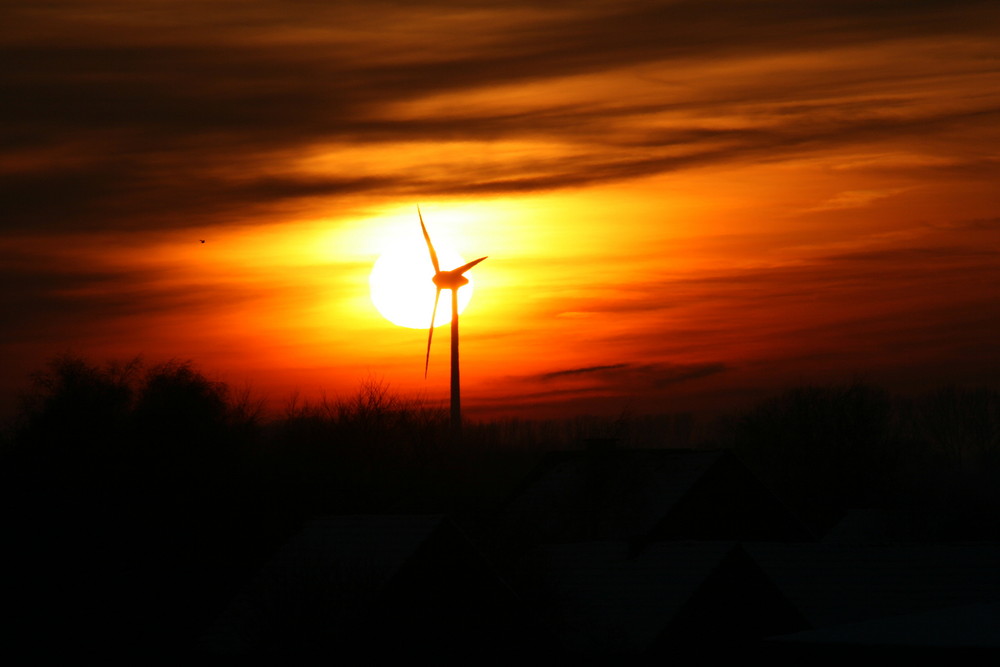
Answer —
636 376
580 371
662 375
58 302
186 112
610 388
905 259
885 310
976 224
881 273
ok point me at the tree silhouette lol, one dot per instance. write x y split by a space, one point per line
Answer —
824 449
127 484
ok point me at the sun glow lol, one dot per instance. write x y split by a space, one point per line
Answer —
401 286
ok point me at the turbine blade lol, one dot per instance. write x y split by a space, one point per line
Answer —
465 267
430 331
430 246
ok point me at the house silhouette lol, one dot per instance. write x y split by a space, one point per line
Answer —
643 496
370 587
899 600
603 599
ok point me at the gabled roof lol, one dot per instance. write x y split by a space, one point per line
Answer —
881 526
351 546
604 598
356 580
834 584
974 626
643 494
332 569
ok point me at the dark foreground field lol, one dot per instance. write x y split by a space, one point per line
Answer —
151 511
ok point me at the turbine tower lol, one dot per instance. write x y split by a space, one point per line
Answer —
447 280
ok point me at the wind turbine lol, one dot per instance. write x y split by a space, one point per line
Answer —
447 280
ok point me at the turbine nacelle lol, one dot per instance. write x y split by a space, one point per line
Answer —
454 279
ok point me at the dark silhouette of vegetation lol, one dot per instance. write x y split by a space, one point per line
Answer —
159 491
824 447
828 450
113 473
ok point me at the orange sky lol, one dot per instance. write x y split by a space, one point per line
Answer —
685 204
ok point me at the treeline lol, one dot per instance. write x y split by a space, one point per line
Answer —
829 450
164 439
139 498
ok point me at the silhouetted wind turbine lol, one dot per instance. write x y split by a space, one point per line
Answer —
447 280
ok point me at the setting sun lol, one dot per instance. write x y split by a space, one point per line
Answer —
401 286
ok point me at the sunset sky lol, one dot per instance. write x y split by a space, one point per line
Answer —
686 205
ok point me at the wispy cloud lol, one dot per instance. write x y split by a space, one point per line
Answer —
580 371
186 112
855 199
637 376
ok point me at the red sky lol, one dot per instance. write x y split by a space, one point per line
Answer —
685 204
